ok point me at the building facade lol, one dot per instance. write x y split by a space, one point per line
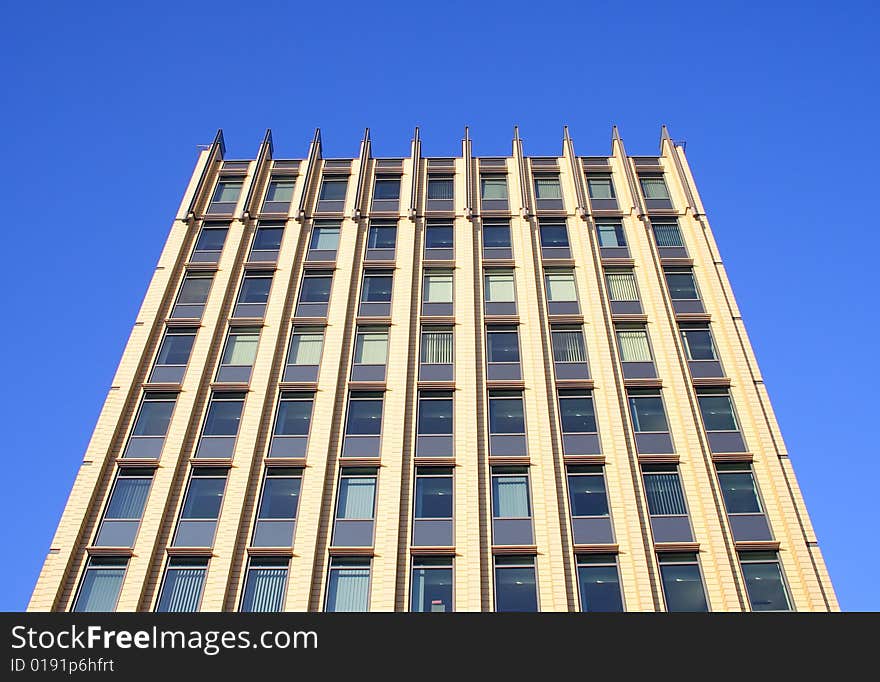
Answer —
437 384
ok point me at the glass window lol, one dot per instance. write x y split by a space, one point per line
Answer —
682 583
211 240
305 347
438 236
647 411
333 189
364 416
586 491
493 187
194 290
182 587
560 286
576 412
255 288
433 493
100 585
667 234
610 234
698 343
382 237
204 496
129 494
280 494
294 414
386 188
224 414
663 490
325 237
599 583
506 415
440 188
377 288
553 234
739 489
176 347
264 585
499 287
227 191
622 286
600 187
654 187
348 585
438 288
435 414
633 345
357 496
437 347
371 348
510 493
515 584
547 188
154 415
568 345
280 191
682 286
316 288
764 581
431 590
241 347
502 346
717 410
496 235
268 238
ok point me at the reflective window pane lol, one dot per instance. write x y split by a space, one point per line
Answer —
364 417
433 497
587 495
506 416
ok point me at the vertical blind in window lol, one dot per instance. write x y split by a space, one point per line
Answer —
128 499
349 589
241 349
438 288
440 189
664 495
356 497
264 591
511 497
633 345
560 286
371 349
667 234
654 188
547 188
100 589
499 288
494 188
305 349
622 286
437 348
182 590
568 347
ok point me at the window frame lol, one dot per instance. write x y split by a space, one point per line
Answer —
443 563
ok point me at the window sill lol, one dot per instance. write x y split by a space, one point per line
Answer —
584 459
586 384
433 461
509 460
514 549
693 317
618 262
732 457
290 462
211 462
270 551
596 549
643 383
676 547
360 462
711 381
422 550
629 317
757 546
671 458
437 385
513 384
159 386
109 551
190 551
298 386
351 551
565 319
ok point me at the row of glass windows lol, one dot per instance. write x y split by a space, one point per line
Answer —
440 188
431 586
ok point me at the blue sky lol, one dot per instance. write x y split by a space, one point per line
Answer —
106 102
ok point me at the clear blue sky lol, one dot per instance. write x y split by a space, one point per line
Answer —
104 104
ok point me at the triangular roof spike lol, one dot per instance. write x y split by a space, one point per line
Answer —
467 133
220 142
416 133
516 133
615 133
366 134
664 132
267 140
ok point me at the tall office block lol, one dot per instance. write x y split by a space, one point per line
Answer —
437 384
